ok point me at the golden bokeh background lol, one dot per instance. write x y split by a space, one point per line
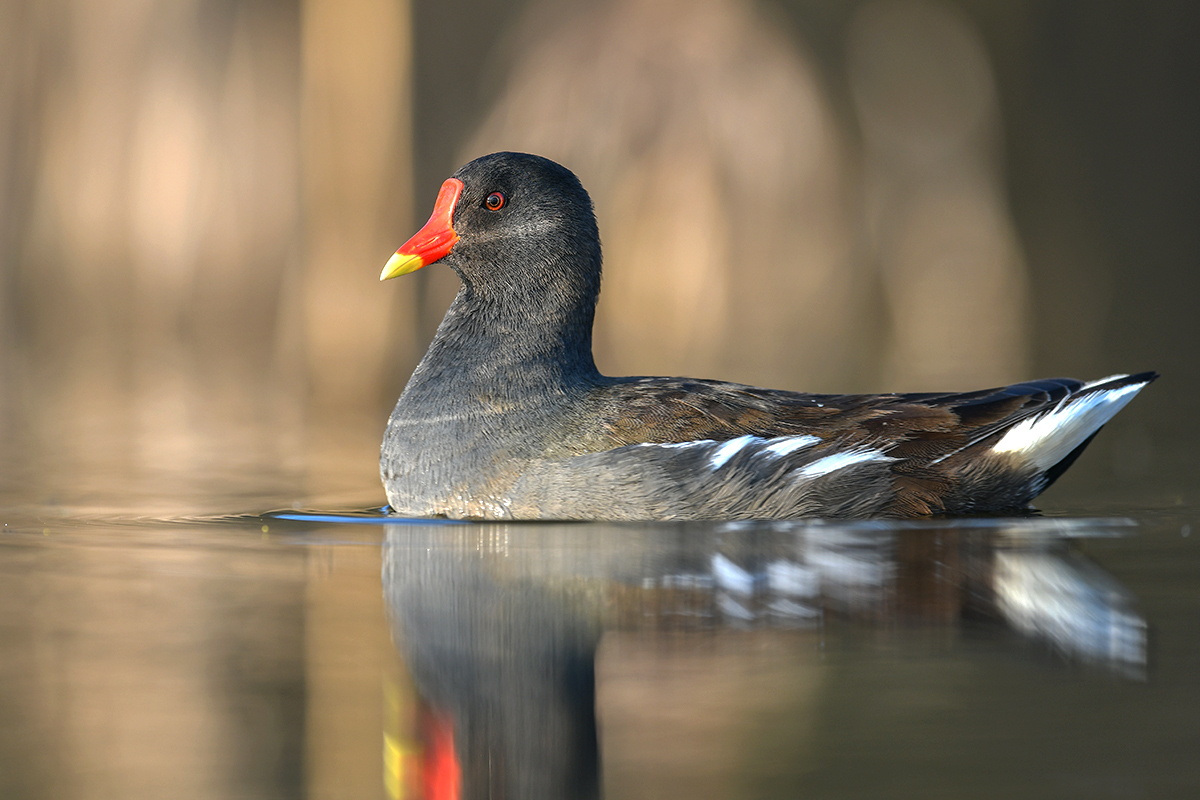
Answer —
196 197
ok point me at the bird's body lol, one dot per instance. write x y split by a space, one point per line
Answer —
507 417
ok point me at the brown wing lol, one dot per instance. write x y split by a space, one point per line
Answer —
931 436
664 410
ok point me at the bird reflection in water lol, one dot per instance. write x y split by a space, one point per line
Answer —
501 624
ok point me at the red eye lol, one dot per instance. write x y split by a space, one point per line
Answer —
494 201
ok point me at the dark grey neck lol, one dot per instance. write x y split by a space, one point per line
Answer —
502 346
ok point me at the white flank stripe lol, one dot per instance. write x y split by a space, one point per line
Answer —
790 444
1046 439
828 464
675 445
728 450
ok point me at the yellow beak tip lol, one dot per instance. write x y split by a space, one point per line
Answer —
400 264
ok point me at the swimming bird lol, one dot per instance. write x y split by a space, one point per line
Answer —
507 417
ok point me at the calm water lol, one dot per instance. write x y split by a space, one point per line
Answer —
260 656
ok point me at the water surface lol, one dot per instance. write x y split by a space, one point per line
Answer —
323 656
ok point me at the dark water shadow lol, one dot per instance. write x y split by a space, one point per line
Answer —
501 624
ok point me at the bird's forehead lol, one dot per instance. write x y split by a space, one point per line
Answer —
486 177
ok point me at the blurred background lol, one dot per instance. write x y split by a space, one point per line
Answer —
196 198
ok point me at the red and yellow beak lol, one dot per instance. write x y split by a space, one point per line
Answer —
433 241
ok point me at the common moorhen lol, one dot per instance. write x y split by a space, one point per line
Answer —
507 417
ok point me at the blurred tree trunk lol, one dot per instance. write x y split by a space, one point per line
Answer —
195 201
356 145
